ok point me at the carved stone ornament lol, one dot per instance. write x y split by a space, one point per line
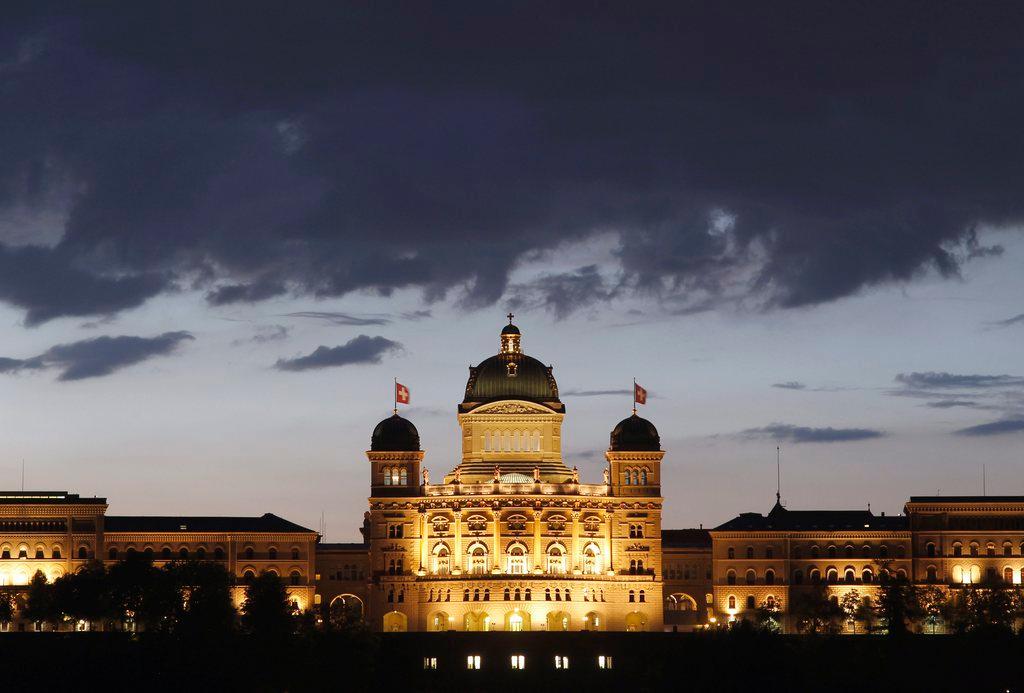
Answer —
510 408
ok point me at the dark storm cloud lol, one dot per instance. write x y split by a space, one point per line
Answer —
1009 322
951 403
994 428
776 155
945 381
361 349
341 318
804 434
790 385
93 358
244 293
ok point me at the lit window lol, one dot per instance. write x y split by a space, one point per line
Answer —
473 662
561 662
604 662
430 662
518 662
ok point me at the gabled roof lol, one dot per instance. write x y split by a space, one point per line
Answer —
689 538
782 520
166 523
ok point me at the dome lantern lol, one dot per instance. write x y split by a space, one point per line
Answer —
510 338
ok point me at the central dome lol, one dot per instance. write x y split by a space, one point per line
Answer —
511 374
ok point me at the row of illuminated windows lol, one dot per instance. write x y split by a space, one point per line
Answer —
832 576
514 523
200 553
294 578
769 602
831 551
512 441
23 552
968 575
518 662
974 549
517 559
395 476
635 476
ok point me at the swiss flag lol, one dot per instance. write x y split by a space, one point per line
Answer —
401 393
639 394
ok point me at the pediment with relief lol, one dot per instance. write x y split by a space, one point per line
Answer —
511 408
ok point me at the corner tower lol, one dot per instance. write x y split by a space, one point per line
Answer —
395 458
634 458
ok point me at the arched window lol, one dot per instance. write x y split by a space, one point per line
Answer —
249 576
183 553
731 553
248 553
272 553
112 554
832 576
518 594
750 552
507 593
1008 575
1007 548
815 576
932 574
848 551
751 604
769 577
990 549
730 577
529 594
867 576
636 478
929 549
547 594
798 577
478 559
442 560
83 552
517 559
591 560
556 559
148 553
751 577
201 553
865 551
295 577
643 477
218 553
958 549
815 552
165 553
883 551
643 596
974 548
56 552
732 602
626 473
295 554
403 479
632 596
831 552
850 576
39 552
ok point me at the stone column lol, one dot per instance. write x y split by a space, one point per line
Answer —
608 540
457 553
536 539
497 539
575 546
423 539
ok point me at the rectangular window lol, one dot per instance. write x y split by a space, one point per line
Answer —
430 662
473 662
561 662
604 662
518 662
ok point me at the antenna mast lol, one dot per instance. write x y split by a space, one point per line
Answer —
778 474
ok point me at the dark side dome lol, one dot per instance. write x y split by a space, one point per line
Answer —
395 434
634 434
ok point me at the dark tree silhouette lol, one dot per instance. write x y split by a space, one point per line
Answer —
267 612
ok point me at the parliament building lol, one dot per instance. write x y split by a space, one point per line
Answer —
511 539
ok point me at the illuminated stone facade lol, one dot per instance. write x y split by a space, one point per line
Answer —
59 532
512 539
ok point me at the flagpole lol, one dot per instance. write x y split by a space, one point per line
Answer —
394 392
634 396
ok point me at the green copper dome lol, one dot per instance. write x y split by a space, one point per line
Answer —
511 374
